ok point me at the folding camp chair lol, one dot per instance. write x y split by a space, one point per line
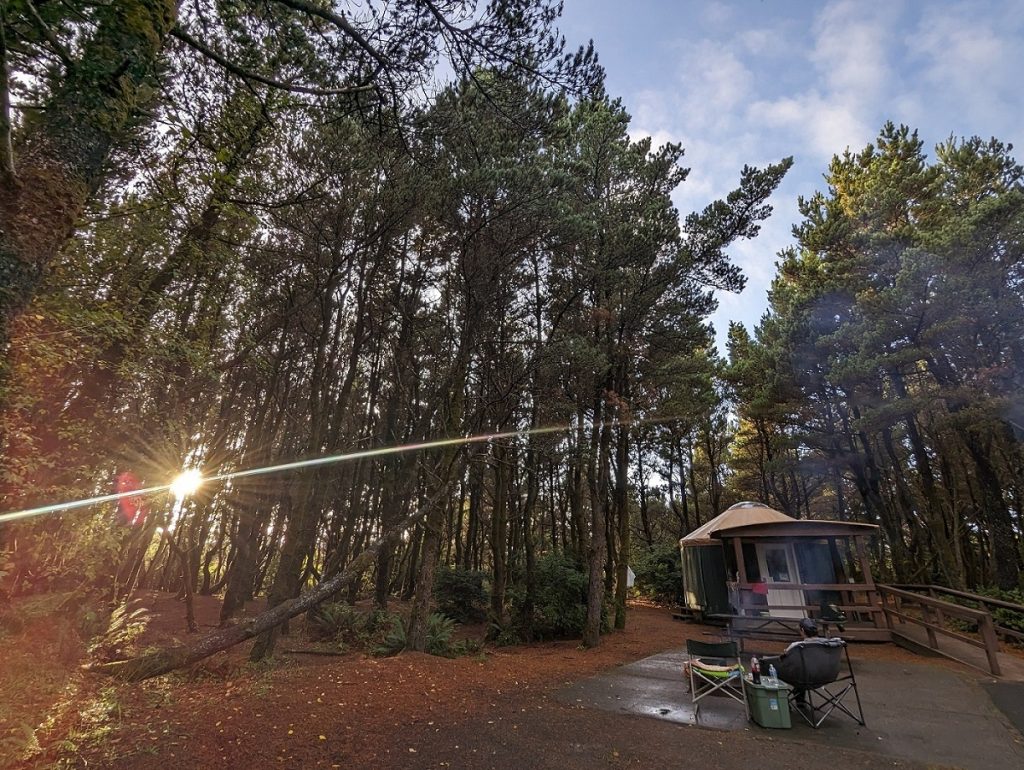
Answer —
813 668
715 669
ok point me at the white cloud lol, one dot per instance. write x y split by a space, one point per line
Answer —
824 124
760 42
851 48
713 81
969 60
849 73
718 13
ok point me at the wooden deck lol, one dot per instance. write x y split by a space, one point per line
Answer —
771 629
912 616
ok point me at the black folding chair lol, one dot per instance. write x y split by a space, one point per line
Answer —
715 669
813 669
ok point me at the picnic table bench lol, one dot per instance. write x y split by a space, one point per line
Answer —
765 628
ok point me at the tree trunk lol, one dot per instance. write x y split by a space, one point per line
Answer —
499 535
597 554
645 521
622 511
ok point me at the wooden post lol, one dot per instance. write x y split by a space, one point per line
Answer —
988 635
741 568
845 597
940 617
869 580
927 612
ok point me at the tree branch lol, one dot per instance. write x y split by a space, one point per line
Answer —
341 23
245 74
51 38
460 35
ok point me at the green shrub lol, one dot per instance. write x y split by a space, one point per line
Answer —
1007 618
348 627
466 647
460 595
126 625
559 606
659 575
91 620
1004 617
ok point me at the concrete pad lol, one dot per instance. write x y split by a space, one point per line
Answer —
914 711
654 687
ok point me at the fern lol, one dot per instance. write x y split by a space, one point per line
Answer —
396 639
439 634
339 622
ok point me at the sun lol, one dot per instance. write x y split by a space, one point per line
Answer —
186 483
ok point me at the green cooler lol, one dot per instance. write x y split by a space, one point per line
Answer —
769 706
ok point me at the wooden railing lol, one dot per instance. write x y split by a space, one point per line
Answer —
813 610
933 615
985 601
860 599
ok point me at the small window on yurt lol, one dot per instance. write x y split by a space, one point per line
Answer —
750 563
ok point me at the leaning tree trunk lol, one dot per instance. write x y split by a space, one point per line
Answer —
171 658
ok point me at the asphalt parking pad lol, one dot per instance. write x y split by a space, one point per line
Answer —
927 713
1009 698
654 687
914 711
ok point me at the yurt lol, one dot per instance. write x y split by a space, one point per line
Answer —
754 561
705 589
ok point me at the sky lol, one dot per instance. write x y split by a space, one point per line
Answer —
752 81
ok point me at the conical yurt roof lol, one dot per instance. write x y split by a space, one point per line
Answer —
739 515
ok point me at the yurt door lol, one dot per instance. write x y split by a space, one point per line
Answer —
778 565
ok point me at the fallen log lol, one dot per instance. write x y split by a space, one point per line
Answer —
164 661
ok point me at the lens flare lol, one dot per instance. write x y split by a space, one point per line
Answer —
187 483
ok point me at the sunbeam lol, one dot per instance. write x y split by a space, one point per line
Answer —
189 481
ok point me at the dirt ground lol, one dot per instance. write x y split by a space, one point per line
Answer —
490 710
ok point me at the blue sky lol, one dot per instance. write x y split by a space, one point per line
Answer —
752 81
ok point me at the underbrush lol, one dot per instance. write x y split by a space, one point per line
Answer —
559 607
659 575
44 637
460 594
382 633
1007 618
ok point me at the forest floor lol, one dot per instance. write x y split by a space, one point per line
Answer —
492 710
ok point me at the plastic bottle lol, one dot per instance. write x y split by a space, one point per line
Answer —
773 678
755 671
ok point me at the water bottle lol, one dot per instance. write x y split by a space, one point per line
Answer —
773 677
